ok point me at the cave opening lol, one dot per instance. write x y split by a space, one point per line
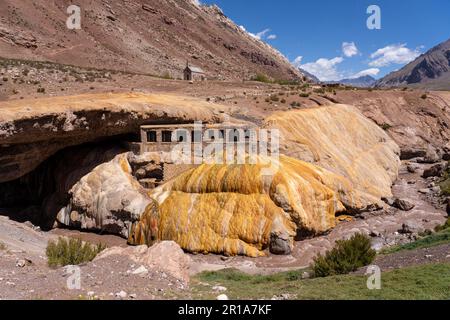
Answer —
39 195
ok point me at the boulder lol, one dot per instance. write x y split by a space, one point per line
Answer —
280 244
431 156
410 227
389 201
163 257
403 205
435 171
239 210
411 168
411 153
108 198
424 191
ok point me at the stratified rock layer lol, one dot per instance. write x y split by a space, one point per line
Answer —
33 130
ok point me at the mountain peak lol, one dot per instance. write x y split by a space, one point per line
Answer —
430 70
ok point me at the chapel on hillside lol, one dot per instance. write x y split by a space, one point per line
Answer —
192 73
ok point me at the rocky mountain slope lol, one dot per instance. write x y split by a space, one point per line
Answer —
430 70
145 36
312 77
363 82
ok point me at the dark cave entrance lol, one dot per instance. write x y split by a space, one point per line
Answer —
39 195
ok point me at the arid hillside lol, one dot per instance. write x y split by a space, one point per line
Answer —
153 37
431 70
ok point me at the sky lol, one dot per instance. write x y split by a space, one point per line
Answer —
331 39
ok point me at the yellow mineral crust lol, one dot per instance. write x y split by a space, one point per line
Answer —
339 138
234 209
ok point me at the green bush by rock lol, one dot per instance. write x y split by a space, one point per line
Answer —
345 257
71 252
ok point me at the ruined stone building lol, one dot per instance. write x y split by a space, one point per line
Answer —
185 146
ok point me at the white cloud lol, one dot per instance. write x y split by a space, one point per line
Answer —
368 72
324 69
349 49
396 53
260 35
196 2
297 61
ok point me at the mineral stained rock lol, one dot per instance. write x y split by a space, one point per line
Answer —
339 138
230 209
108 198
238 209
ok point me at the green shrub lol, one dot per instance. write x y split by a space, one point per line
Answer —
304 95
320 91
445 182
424 96
385 126
71 252
445 226
345 257
261 78
167 76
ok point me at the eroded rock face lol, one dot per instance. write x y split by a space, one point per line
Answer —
238 210
33 130
417 125
108 198
340 139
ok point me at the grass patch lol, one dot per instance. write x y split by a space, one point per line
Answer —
422 282
445 182
445 187
265 79
346 256
261 78
71 251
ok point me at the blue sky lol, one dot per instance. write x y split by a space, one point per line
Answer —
317 31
